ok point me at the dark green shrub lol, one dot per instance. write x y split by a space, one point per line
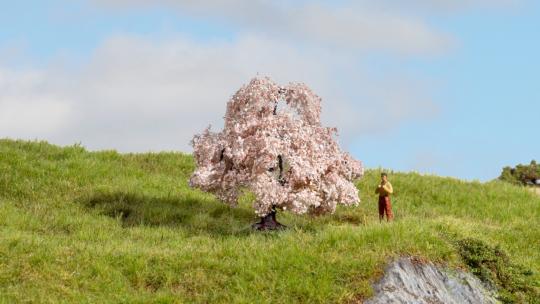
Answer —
490 264
522 174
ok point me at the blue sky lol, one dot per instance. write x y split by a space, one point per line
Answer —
443 87
488 89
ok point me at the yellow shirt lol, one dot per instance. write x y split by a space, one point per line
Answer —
384 190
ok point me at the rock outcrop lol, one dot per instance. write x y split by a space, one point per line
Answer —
408 280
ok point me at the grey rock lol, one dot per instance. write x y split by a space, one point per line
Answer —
410 281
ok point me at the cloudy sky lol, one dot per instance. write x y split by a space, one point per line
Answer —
450 87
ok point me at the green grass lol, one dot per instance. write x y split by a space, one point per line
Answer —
104 227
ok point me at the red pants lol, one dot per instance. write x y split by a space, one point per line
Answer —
385 207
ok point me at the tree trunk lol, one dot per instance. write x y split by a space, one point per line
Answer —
268 222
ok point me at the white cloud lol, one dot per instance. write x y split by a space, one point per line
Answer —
32 117
27 106
137 94
349 25
448 5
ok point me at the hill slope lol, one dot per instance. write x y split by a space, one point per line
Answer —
79 226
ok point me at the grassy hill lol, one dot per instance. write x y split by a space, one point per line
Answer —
104 227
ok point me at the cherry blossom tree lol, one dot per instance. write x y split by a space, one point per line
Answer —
273 144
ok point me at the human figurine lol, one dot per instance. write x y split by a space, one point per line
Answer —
384 189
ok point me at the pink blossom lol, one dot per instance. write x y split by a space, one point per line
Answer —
284 156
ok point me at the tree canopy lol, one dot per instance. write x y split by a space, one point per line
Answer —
522 174
273 144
